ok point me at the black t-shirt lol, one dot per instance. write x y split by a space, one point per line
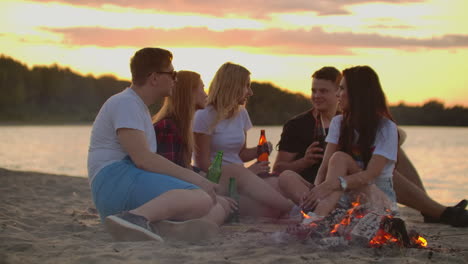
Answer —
298 133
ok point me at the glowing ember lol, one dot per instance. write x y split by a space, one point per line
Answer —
358 225
382 238
349 215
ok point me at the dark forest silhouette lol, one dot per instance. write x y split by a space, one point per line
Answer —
54 94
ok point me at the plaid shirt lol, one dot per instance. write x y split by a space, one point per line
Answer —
169 140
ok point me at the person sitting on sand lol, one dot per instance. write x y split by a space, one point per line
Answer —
173 128
300 153
135 190
362 146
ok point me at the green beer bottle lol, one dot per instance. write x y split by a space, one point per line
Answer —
235 196
214 171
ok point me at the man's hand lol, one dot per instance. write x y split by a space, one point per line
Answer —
314 153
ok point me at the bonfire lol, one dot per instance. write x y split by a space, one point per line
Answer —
360 225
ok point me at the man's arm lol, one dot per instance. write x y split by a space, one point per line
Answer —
285 160
134 143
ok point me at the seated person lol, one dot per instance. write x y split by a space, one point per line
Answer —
301 151
135 190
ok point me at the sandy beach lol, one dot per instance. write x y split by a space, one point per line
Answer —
48 218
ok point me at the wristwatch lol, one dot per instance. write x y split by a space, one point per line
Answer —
343 183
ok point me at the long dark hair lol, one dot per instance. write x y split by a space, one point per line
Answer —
367 105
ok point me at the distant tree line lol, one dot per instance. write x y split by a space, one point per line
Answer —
53 94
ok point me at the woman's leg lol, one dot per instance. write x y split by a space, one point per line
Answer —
340 164
255 188
293 186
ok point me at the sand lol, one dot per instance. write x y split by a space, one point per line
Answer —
48 218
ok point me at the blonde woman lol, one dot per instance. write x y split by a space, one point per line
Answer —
223 125
173 127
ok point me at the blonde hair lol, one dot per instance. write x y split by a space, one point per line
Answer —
225 89
180 106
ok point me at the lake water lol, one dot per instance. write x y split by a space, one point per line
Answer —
439 153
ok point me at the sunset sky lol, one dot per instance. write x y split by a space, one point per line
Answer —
419 48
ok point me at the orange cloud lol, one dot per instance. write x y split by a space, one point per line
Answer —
240 7
313 42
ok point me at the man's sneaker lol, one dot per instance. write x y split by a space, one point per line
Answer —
446 214
190 231
455 216
126 226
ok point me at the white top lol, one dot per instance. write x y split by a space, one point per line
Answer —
385 144
228 135
123 110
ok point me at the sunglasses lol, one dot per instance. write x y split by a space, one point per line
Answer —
172 73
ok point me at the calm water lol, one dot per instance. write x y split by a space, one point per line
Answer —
439 153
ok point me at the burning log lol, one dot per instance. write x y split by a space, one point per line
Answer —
359 226
365 229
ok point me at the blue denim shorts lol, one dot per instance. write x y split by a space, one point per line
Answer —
121 186
384 184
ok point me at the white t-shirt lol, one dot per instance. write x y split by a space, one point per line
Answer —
228 135
385 143
123 110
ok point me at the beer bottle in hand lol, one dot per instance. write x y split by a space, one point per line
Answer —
235 196
214 171
262 151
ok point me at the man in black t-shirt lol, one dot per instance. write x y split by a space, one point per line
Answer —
302 142
295 138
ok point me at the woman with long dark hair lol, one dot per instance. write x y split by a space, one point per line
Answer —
362 148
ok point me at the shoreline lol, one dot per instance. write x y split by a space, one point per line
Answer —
49 218
90 123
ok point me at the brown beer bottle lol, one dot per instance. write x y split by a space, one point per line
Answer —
262 151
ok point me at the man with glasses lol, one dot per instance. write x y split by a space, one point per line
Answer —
134 189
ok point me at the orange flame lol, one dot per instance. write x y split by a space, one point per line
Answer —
347 219
420 241
382 238
305 215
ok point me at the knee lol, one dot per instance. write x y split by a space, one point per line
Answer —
200 203
339 157
286 177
